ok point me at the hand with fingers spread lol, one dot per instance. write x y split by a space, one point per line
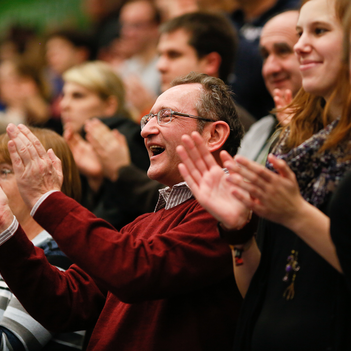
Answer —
36 170
137 95
110 146
273 196
208 182
282 98
84 155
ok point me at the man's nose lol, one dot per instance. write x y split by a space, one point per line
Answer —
271 65
150 127
64 103
161 64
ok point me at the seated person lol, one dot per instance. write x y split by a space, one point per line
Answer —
24 93
18 330
168 275
94 90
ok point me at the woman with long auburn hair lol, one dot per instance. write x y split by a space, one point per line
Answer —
290 275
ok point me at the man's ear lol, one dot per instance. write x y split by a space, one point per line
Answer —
216 134
211 63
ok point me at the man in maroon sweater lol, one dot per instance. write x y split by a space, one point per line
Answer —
165 281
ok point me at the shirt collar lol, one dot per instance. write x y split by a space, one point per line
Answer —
172 197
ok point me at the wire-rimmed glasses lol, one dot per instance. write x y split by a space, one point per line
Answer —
165 116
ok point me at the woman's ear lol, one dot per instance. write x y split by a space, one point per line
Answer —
216 134
111 106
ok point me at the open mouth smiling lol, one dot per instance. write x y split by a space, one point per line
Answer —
156 150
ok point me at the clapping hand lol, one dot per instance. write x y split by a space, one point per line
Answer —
273 196
282 98
110 146
36 170
209 184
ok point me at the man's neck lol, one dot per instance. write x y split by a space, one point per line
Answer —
255 8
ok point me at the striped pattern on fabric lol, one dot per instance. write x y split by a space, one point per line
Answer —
6 234
28 331
172 197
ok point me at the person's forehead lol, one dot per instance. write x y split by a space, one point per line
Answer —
138 10
59 41
178 38
280 29
182 98
317 10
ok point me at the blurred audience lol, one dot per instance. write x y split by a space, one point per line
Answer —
22 41
65 48
248 85
24 93
200 42
139 20
104 21
282 76
94 90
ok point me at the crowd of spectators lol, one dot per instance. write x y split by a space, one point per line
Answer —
145 157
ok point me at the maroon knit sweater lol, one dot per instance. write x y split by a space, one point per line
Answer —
164 282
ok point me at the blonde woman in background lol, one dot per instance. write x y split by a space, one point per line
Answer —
93 90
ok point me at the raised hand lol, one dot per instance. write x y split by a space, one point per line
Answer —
36 170
208 182
273 196
110 147
84 155
137 95
282 98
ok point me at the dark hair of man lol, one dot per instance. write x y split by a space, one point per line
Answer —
208 33
156 18
76 38
216 103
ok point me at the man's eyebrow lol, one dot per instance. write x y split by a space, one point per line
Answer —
262 50
283 46
161 108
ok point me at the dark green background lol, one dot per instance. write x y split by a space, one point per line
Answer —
41 14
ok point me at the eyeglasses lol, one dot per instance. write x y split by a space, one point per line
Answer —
165 116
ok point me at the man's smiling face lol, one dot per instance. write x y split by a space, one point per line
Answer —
161 141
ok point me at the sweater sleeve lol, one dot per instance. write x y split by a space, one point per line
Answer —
60 300
141 262
21 330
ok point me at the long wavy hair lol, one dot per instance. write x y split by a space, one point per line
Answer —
312 113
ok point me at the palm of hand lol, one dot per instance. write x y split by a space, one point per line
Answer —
85 158
216 195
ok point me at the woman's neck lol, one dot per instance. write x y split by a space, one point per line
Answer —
335 109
